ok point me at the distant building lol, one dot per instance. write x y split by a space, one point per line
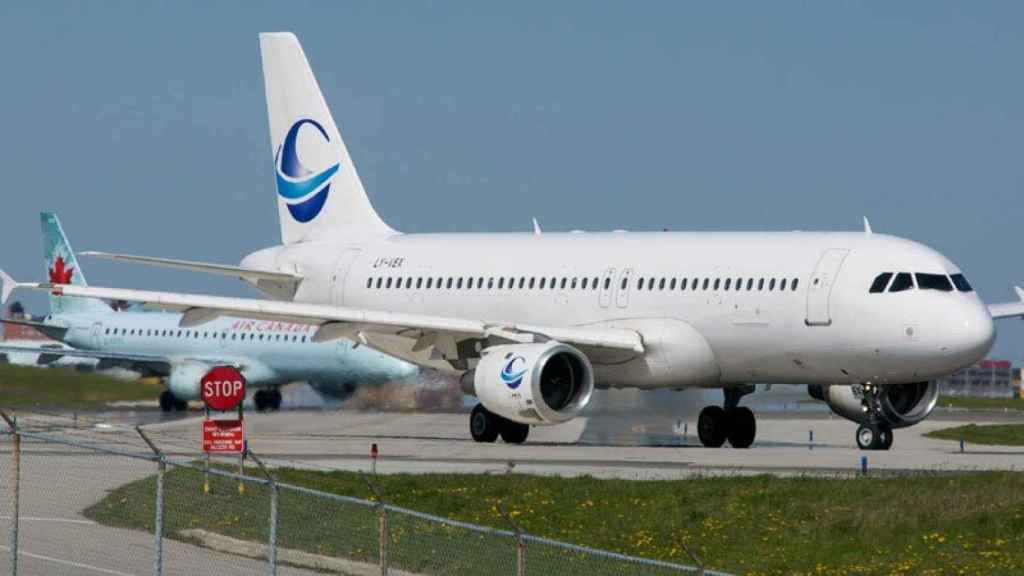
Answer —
14 332
994 378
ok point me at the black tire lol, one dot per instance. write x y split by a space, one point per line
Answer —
180 405
274 399
742 427
483 425
886 439
874 437
712 426
167 401
513 432
259 400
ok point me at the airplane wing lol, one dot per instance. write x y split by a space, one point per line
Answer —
283 283
426 340
1009 309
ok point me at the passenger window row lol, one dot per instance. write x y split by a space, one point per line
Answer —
716 284
577 283
903 281
488 283
197 335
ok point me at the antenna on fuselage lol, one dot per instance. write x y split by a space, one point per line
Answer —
867 226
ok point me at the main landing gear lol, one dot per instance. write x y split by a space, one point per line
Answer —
874 434
168 402
486 426
267 400
732 422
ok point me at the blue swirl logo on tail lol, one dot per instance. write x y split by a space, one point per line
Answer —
304 191
513 372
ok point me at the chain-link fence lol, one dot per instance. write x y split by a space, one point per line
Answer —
77 503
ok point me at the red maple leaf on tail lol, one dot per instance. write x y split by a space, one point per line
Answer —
59 274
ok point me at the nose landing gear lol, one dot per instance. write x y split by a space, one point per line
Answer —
875 433
732 422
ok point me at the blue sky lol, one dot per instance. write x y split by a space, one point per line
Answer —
144 127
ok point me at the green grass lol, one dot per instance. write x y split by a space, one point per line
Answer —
992 434
975 403
927 524
22 387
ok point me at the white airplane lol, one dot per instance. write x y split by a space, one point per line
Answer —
534 321
269 354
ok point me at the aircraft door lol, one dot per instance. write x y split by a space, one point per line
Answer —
96 335
341 270
819 290
607 281
622 289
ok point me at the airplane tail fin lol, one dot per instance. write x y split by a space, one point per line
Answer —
62 268
319 193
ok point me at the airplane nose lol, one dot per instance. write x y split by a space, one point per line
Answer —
971 335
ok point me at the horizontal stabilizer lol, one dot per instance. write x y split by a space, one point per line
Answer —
207 267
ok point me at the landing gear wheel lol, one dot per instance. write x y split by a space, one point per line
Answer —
180 405
259 399
274 399
167 401
874 437
712 426
742 427
887 438
483 425
513 432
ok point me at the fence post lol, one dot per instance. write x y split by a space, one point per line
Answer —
272 542
12 421
520 541
158 520
382 515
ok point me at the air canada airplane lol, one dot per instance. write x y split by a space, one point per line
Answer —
270 353
534 322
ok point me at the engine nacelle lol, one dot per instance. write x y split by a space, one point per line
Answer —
184 379
545 383
902 404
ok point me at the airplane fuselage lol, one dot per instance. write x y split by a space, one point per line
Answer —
715 308
268 353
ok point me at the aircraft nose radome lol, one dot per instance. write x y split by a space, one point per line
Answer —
972 336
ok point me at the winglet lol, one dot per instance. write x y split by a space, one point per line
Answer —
867 226
8 286
1020 292
536 228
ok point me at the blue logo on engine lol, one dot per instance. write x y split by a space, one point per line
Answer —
303 191
513 372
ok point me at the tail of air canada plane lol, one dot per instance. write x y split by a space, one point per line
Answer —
62 268
319 193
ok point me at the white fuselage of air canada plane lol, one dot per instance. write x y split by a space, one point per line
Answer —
534 322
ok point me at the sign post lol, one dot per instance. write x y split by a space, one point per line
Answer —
223 389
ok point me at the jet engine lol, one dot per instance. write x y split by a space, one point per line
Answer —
183 381
545 383
902 405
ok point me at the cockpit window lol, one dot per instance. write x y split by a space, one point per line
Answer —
881 281
902 282
934 282
961 283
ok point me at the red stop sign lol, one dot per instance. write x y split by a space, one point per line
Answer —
223 388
